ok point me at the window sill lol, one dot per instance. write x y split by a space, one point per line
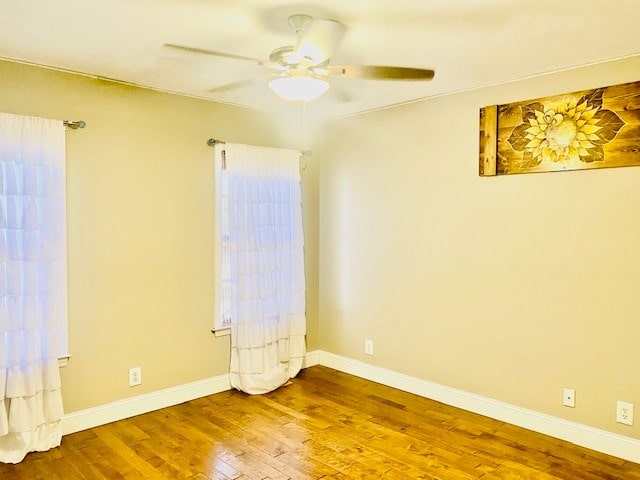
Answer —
223 332
62 361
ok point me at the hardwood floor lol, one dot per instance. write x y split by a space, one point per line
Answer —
324 424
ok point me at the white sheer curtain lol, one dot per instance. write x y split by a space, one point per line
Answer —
33 297
265 254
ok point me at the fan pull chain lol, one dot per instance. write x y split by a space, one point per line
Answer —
302 111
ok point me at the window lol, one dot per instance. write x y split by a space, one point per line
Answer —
260 282
222 257
33 259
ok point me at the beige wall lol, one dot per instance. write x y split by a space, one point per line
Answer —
510 287
140 227
507 287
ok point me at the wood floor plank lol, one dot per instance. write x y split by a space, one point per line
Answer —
324 425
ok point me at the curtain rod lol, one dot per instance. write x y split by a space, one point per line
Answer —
213 141
74 125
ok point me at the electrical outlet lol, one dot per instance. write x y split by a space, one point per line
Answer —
135 376
368 347
624 413
569 397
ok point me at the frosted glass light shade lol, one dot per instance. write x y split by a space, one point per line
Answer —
298 87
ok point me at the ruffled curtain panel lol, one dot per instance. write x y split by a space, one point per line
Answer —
266 266
33 293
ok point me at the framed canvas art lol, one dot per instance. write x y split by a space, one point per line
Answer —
582 130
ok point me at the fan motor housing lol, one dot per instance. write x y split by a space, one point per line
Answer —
284 55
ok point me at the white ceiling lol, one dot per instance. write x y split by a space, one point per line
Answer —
469 43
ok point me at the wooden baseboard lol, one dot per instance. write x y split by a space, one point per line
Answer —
585 436
130 407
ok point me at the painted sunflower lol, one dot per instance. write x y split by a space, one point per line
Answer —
573 129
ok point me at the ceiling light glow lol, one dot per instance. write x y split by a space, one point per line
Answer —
299 87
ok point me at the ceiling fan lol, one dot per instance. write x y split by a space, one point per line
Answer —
304 66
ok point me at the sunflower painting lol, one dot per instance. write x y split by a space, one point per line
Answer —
591 129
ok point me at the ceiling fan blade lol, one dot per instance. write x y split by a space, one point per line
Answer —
378 72
319 40
240 84
216 54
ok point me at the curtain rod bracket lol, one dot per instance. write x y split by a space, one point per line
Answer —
74 125
212 141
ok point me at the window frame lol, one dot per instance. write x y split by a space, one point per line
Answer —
221 323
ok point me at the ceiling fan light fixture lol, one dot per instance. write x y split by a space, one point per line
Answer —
299 87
